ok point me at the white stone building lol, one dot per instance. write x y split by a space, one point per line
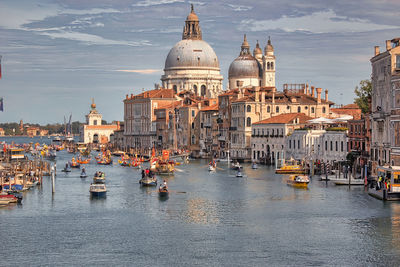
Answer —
192 64
385 106
268 138
93 131
317 145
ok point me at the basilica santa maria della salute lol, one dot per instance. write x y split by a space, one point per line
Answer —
192 65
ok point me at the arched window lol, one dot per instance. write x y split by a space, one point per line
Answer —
277 109
268 109
203 90
175 89
248 122
298 109
337 146
331 146
323 109
248 108
268 66
195 89
312 109
192 125
272 65
193 139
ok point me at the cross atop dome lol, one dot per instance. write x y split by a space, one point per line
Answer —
192 28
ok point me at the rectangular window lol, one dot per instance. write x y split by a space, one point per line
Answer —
193 113
341 146
397 61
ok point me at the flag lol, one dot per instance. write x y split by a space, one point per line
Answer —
1 104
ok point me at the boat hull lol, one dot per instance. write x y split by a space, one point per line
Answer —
148 182
347 182
297 184
279 171
98 194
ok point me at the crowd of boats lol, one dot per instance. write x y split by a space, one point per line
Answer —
387 186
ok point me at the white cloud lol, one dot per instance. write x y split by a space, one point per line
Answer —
318 22
146 3
240 8
144 71
90 38
92 11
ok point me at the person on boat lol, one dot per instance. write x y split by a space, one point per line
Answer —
66 165
165 185
142 173
83 170
147 172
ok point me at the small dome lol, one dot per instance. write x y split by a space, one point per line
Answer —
192 16
257 50
245 66
191 53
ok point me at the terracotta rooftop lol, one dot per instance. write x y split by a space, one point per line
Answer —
350 109
155 93
101 127
210 108
285 119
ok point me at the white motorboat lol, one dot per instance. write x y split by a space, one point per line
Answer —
254 166
211 168
239 174
97 190
347 181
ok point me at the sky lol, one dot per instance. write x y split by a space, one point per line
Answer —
58 55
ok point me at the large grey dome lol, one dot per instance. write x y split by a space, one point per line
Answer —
191 53
245 66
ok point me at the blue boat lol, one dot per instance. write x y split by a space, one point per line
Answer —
16 187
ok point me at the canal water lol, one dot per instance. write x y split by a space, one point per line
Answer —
209 219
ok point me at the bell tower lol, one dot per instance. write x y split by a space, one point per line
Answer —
93 118
268 65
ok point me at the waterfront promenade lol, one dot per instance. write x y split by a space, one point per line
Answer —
209 219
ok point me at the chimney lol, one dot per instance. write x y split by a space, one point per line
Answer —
118 126
377 50
307 89
131 95
312 91
326 95
199 106
127 96
262 97
388 45
256 93
319 91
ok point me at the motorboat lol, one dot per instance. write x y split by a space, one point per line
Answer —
300 181
347 181
97 190
211 168
254 166
99 177
239 173
291 169
236 166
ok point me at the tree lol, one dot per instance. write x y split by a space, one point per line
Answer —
363 93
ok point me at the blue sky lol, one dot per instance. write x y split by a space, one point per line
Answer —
57 55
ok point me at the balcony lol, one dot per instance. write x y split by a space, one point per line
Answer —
378 115
221 138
